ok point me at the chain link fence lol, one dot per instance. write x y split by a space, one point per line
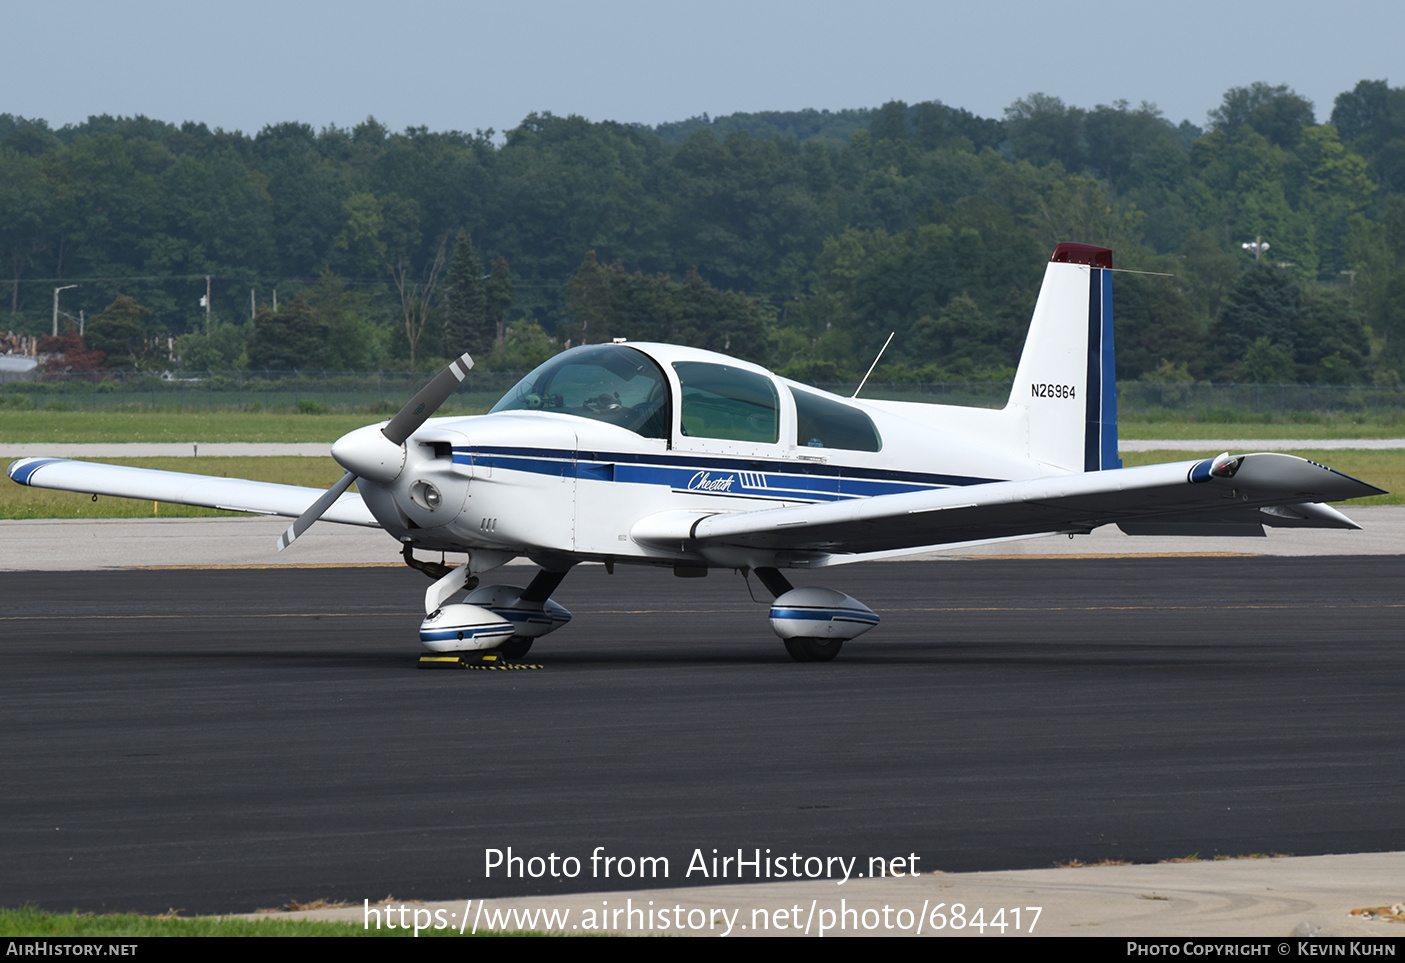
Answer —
386 391
312 392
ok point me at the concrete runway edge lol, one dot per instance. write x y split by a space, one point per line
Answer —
45 545
1286 897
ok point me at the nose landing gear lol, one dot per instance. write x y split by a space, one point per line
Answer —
502 619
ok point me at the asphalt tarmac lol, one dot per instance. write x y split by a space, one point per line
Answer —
226 740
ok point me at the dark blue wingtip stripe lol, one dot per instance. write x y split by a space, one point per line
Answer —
21 470
1358 481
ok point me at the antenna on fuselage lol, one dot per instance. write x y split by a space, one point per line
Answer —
874 365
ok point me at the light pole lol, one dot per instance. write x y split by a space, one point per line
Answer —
56 306
1256 247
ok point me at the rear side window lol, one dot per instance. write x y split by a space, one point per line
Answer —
822 422
720 401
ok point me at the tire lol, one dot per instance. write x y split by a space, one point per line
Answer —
813 650
515 647
796 652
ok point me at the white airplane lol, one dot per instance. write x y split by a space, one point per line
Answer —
665 455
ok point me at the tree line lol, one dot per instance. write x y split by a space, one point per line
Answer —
795 239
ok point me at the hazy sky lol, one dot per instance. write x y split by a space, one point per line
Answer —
468 65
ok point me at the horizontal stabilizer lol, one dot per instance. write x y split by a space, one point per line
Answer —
1241 521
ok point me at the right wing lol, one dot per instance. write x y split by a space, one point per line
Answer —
1219 496
205 491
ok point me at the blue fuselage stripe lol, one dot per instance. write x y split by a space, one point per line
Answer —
488 455
710 475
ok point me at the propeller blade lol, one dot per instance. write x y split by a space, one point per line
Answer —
423 405
419 409
315 510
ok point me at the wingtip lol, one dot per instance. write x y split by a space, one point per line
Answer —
22 469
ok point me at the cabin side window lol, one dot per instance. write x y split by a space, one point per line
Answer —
728 403
822 422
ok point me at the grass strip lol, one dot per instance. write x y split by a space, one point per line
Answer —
1384 469
207 426
1324 427
185 427
30 922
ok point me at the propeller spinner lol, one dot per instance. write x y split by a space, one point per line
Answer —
379 454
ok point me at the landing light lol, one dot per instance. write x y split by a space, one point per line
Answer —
426 495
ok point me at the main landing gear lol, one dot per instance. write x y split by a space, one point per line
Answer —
814 622
493 623
813 650
516 647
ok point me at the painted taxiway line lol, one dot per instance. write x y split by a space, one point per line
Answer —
1115 555
181 449
224 568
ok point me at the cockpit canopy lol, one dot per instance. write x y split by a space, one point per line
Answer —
721 401
612 383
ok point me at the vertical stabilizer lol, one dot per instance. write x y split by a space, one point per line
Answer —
1065 385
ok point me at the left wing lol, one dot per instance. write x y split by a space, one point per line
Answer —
206 491
1224 495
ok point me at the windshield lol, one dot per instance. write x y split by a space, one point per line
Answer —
604 382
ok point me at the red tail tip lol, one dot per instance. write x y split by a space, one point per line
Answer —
1071 253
